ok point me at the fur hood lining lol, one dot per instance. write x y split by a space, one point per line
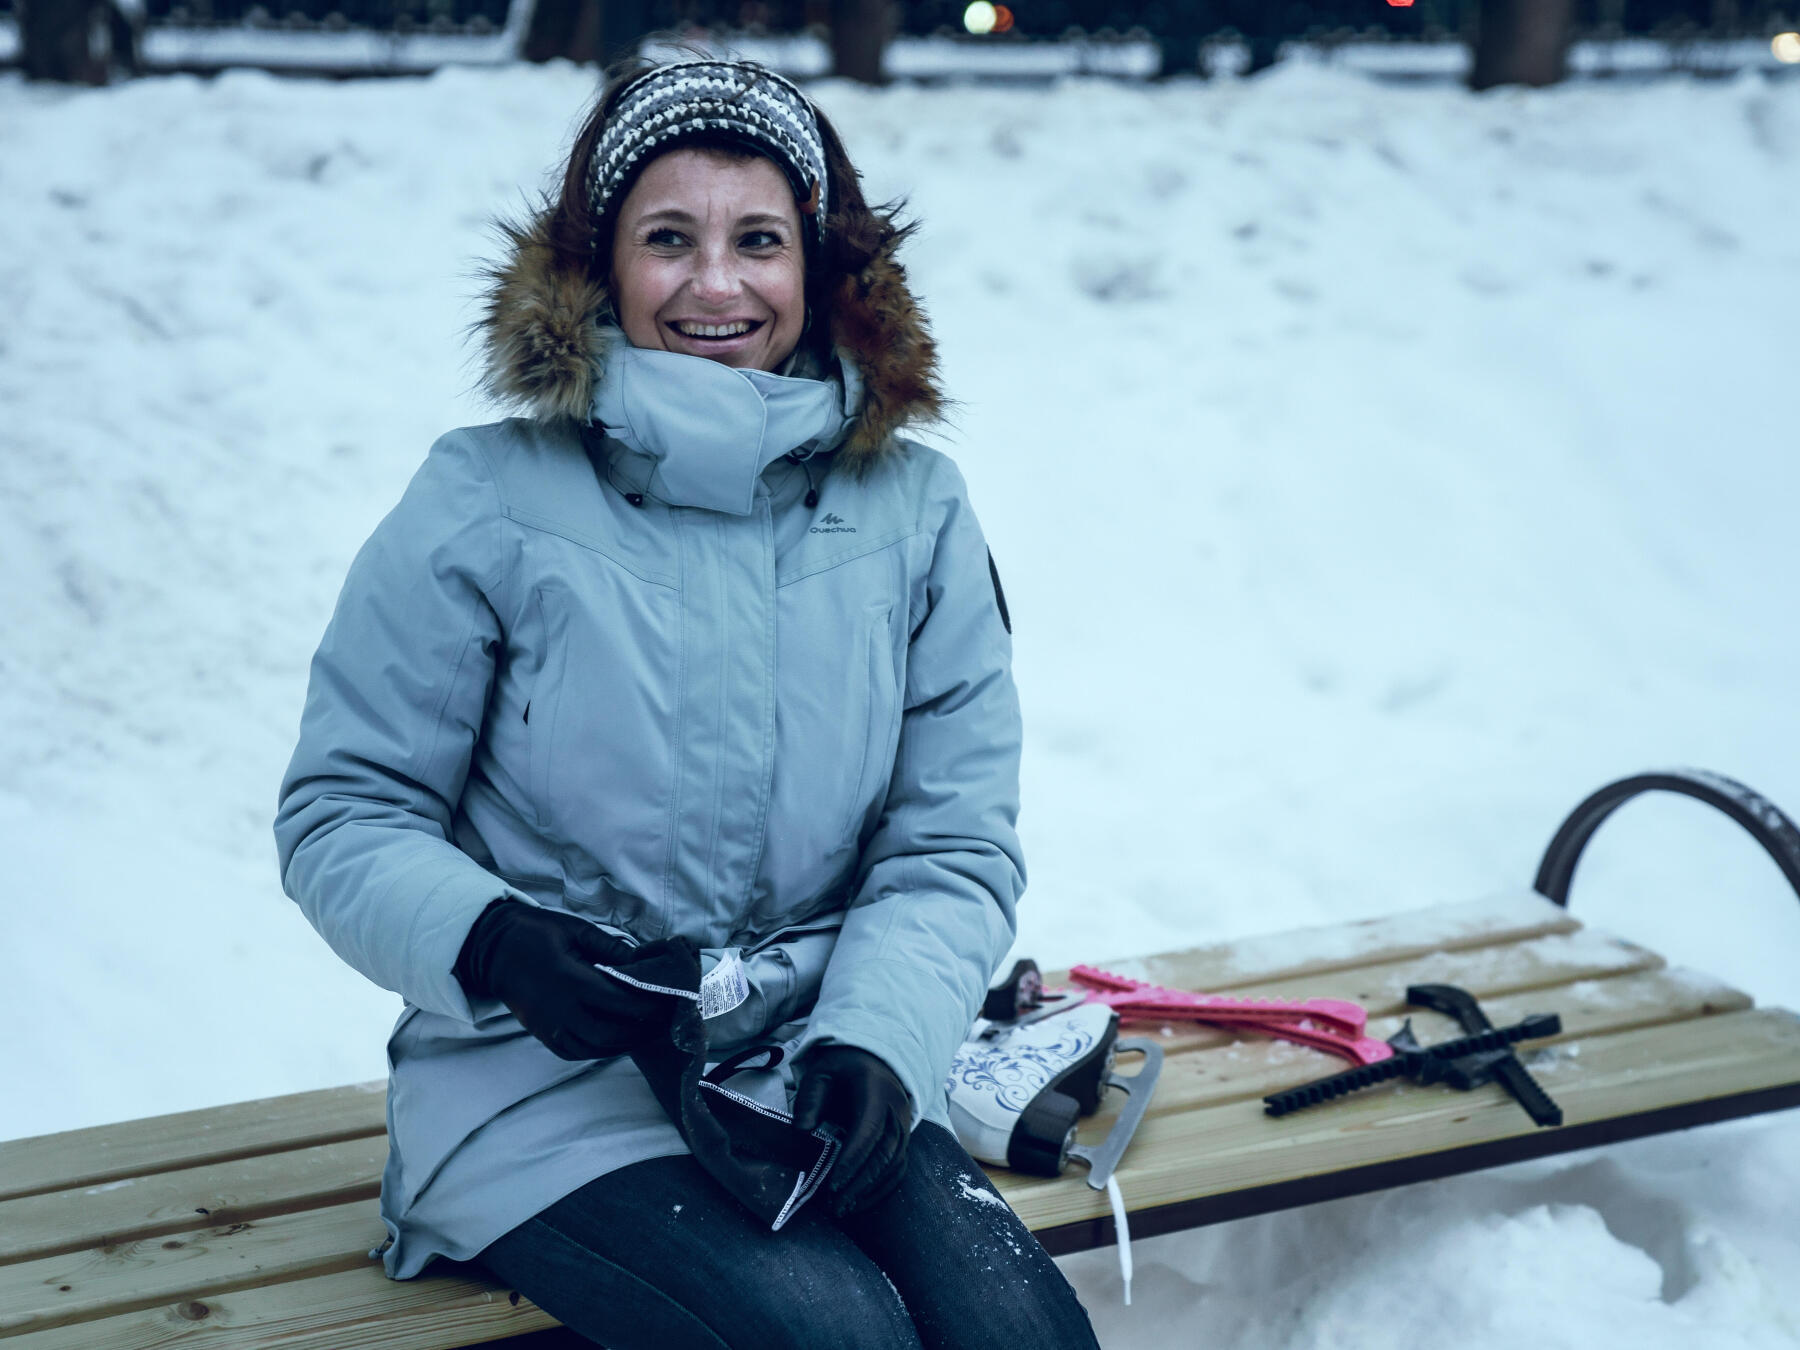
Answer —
544 330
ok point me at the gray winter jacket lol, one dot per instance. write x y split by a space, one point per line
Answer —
634 673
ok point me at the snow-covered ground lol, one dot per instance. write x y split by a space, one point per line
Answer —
1373 470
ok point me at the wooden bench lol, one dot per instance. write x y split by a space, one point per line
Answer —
249 1225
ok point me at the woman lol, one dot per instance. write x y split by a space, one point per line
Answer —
697 666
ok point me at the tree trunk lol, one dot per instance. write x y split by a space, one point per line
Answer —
565 29
1180 54
859 35
57 41
1521 42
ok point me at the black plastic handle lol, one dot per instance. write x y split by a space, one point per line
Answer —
1351 1080
1765 821
1526 1090
1423 1064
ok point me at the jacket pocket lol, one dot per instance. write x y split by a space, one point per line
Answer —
604 716
880 723
541 709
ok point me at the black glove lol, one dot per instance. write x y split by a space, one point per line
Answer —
540 963
858 1093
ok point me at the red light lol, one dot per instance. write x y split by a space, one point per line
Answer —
1003 18
1400 4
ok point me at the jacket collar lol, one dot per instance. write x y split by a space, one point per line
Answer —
708 430
549 340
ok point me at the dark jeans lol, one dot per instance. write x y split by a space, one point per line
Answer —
656 1256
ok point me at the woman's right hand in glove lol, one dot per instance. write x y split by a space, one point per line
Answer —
857 1092
540 963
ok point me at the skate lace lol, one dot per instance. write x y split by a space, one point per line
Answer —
1123 1231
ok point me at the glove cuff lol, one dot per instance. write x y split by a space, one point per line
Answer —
475 961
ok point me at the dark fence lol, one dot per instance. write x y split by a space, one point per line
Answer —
386 16
1424 19
476 16
1262 23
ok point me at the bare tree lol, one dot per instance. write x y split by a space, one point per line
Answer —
859 34
1521 42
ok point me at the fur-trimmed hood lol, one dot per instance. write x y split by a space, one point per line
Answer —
545 333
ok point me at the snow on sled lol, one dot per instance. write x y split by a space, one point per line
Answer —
250 1224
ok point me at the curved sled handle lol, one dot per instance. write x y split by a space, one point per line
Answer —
1756 813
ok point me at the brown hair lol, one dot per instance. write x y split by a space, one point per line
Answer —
855 233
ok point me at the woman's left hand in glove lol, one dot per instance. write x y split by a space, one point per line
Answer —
856 1092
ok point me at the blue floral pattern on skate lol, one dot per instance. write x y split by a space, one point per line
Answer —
1016 1071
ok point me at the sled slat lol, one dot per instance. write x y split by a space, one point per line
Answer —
94 1282
1231 1148
120 1212
1488 972
1255 1066
1514 917
351 1310
107 1153
1540 963
103 1153
1191 1155
1195 1081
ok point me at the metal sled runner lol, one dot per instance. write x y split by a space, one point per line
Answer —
248 1225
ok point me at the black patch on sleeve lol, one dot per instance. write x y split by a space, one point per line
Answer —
999 593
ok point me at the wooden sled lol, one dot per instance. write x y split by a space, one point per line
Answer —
249 1225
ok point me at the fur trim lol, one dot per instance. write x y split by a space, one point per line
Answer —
876 323
541 328
544 344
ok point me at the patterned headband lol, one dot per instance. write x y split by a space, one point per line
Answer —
736 100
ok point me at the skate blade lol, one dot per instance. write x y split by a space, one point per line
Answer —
1103 1157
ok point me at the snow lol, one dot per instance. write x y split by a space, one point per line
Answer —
976 1195
1374 472
1611 1249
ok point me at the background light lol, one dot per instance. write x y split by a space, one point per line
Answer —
1400 4
980 17
1003 19
1786 47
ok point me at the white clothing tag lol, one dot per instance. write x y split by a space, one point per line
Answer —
725 986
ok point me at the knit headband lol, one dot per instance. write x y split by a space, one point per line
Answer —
736 100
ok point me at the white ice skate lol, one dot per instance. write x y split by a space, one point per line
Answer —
1017 1090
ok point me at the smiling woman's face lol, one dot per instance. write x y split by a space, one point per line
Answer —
707 259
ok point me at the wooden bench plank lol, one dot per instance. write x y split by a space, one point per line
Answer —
1193 1081
1539 963
1187 1155
290 1259
1511 917
1491 972
120 1212
1253 1068
1221 1150
164 1203
103 1153
282 1205
80 1285
353 1310
106 1153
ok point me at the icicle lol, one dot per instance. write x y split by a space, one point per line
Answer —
1114 1194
